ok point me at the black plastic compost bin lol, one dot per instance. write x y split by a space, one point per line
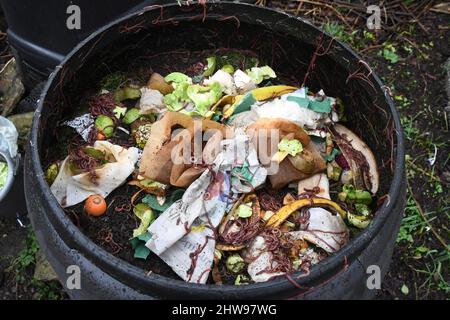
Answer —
38 34
287 44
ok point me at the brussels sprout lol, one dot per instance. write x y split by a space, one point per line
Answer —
51 173
235 263
350 194
127 93
105 125
131 116
245 210
228 68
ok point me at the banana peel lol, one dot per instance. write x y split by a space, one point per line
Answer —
226 100
259 94
281 215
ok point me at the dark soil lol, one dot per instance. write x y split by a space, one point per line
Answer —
114 230
422 81
417 82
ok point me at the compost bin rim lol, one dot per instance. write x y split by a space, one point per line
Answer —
125 271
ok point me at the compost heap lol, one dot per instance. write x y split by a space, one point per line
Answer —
232 171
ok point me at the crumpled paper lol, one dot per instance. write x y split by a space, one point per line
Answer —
71 189
82 125
165 144
320 181
184 232
324 229
8 137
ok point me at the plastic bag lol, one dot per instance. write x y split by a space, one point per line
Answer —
8 137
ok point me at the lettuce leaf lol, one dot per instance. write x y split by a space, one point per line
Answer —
258 74
204 97
3 174
291 147
146 215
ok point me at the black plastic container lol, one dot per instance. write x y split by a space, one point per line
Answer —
287 43
38 34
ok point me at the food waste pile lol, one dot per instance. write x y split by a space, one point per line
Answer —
232 176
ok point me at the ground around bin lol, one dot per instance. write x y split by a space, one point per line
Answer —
411 55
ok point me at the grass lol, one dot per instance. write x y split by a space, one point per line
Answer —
412 223
420 241
21 270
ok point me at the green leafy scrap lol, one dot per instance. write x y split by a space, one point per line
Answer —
138 245
290 146
245 210
146 215
204 97
3 174
152 201
258 74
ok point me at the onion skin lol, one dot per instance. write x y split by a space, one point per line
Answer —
157 82
303 161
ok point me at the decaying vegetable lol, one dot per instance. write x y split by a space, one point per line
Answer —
51 173
3 174
105 125
157 82
235 263
286 211
127 93
333 171
360 158
142 134
211 66
145 215
95 205
150 186
131 116
350 195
